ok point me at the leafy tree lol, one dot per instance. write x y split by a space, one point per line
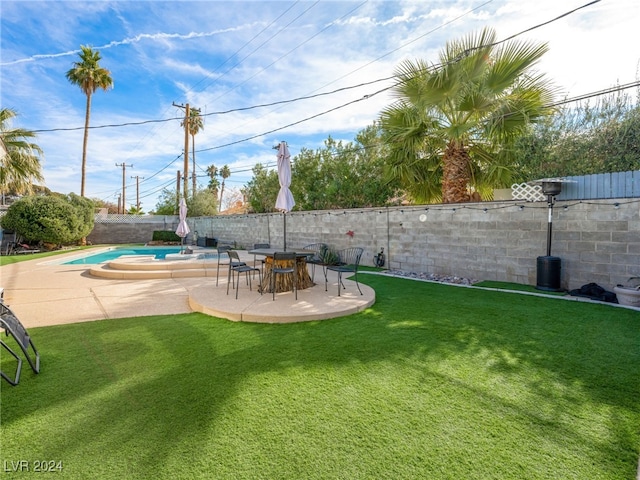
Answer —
337 175
110 206
57 219
167 202
453 125
262 190
343 175
19 157
582 140
89 76
203 203
195 125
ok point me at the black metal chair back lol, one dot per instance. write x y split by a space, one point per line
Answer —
257 246
348 263
222 251
284 263
315 259
237 267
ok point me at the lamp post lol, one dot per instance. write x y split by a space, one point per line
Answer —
548 267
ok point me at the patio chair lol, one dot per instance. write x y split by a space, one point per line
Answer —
23 248
12 326
224 250
236 266
281 268
316 258
262 260
349 260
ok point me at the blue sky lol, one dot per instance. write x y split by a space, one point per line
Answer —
223 56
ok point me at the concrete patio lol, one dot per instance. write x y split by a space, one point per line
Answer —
44 292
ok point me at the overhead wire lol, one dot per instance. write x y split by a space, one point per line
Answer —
582 97
335 91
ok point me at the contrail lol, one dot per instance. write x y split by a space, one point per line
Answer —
128 41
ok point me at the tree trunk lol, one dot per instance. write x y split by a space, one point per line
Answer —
84 144
85 141
455 174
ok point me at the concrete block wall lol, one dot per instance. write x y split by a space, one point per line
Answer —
597 241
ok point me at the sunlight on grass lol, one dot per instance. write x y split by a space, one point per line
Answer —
432 381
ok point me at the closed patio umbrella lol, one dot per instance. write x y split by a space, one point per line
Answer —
183 229
285 201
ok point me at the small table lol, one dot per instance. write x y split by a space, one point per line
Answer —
281 284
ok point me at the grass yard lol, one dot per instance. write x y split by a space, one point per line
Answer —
432 382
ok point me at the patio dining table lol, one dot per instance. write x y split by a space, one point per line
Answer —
283 283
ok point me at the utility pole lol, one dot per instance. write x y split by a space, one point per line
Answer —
186 147
124 168
138 191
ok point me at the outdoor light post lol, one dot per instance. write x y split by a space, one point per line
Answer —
548 267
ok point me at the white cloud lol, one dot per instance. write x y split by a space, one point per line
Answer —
219 56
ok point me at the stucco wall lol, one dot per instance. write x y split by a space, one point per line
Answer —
596 240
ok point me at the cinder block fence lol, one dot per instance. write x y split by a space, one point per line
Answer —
597 240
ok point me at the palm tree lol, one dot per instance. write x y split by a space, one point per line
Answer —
195 125
89 76
452 126
224 173
19 158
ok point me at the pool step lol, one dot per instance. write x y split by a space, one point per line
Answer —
146 267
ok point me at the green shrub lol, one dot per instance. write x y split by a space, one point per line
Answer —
58 219
165 236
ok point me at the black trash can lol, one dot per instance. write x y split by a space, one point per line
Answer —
549 269
211 242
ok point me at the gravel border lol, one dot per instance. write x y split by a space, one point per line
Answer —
454 279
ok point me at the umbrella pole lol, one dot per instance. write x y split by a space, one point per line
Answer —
284 216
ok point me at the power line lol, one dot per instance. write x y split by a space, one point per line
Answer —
307 97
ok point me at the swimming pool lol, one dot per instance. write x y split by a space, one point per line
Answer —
102 257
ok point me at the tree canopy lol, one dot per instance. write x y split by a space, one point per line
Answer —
58 219
451 130
338 175
20 158
89 76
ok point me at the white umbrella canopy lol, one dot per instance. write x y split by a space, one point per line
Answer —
183 229
285 201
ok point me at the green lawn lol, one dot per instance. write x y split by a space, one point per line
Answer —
432 382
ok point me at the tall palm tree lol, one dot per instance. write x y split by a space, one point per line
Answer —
89 76
195 125
452 125
19 158
224 173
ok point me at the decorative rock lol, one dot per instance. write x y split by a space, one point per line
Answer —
432 277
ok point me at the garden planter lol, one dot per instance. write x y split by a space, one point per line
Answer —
629 296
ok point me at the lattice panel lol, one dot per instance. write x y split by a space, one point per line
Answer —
524 191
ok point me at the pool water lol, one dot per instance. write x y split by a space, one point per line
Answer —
159 253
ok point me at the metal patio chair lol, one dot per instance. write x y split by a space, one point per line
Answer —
14 328
316 258
236 266
224 250
262 260
349 260
284 269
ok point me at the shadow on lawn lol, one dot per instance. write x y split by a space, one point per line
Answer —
174 377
